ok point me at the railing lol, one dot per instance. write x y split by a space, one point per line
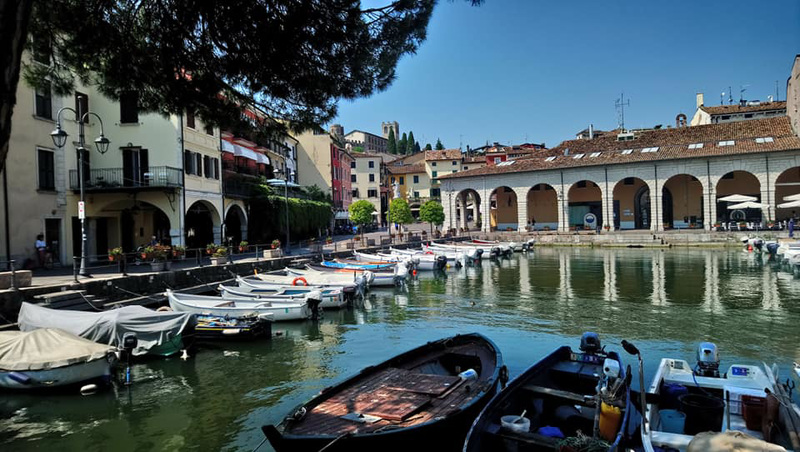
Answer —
116 178
239 189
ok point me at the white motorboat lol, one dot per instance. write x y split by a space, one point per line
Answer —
347 285
49 357
454 257
513 246
482 250
421 261
237 307
374 278
331 298
692 400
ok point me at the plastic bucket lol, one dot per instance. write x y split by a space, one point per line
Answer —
703 413
515 423
670 393
672 421
752 411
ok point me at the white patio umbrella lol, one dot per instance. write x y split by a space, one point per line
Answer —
792 198
737 198
788 205
748 205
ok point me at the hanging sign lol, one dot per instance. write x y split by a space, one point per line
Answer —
81 210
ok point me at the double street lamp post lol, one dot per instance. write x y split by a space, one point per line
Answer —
285 182
59 136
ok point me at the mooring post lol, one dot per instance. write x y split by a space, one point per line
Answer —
13 275
75 268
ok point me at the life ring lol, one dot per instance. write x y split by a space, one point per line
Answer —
164 309
299 278
428 252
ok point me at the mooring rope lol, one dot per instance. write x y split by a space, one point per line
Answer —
136 294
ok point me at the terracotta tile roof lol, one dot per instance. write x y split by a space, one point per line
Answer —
407 169
447 154
669 144
474 159
364 155
730 109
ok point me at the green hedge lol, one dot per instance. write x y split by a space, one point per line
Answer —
268 218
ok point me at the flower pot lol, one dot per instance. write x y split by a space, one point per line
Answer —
241 249
168 265
157 266
111 258
272 253
222 260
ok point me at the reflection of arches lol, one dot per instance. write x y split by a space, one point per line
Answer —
235 225
682 202
631 204
201 219
787 184
584 197
738 183
503 209
468 209
543 207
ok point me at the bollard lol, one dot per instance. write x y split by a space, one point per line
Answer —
75 268
258 256
123 265
13 275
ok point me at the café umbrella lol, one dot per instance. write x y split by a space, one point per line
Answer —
789 205
737 198
792 198
748 205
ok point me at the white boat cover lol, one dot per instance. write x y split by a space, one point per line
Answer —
46 348
152 328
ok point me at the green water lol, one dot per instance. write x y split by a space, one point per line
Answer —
665 301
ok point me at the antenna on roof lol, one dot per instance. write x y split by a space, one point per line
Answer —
742 89
722 98
620 106
730 96
777 95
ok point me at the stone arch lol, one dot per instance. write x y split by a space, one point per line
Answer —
202 224
129 224
682 202
468 209
737 182
235 224
585 197
503 215
542 212
787 184
631 197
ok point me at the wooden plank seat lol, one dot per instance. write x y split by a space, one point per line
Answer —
528 438
586 400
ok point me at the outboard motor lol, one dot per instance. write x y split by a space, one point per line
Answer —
368 277
401 273
744 240
478 253
494 252
441 262
772 247
129 343
707 360
461 259
758 243
314 299
590 343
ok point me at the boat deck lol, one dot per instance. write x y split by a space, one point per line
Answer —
390 398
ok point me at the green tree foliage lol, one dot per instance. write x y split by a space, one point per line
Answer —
181 55
432 212
410 143
268 217
361 214
313 192
416 147
439 145
391 146
428 147
402 143
399 212
358 149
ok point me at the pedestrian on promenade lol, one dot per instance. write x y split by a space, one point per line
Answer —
791 227
41 249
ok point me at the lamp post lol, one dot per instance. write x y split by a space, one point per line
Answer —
59 137
288 175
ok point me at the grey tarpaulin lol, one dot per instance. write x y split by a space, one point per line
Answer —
46 349
152 328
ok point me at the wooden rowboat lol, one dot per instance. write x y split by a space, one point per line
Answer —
424 396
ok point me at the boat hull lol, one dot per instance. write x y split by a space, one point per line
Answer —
220 307
99 369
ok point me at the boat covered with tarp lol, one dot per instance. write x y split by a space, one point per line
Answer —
49 357
428 395
158 333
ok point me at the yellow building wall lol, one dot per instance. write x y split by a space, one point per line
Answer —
504 215
791 176
742 183
625 195
314 160
687 198
543 209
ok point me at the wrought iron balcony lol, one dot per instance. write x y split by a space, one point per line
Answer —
123 179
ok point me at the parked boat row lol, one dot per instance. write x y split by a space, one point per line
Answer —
452 393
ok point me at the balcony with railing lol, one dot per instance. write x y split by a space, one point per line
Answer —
125 179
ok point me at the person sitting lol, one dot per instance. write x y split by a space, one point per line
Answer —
41 250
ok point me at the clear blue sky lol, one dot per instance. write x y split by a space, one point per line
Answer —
540 71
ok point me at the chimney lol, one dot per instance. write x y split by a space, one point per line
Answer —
699 100
591 131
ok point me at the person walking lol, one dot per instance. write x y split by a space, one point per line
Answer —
41 250
791 228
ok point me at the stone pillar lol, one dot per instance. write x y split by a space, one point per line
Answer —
768 214
656 208
563 212
486 225
710 209
522 212
607 200
463 199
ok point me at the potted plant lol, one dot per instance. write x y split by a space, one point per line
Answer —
157 256
717 225
115 254
219 256
276 244
211 248
606 227
178 251
147 253
243 246
328 240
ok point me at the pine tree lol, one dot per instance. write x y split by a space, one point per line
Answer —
401 145
391 146
428 147
439 145
410 144
416 147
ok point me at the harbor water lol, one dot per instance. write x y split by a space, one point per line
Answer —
664 301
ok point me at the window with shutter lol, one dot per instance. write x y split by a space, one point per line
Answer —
129 107
207 166
198 164
187 162
47 174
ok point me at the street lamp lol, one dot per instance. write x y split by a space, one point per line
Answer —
59 137
286 183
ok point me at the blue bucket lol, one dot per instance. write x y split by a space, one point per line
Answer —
672 421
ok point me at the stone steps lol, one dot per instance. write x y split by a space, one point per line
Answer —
76 300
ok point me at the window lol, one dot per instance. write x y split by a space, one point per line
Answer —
435 192
594 154
696 146
647 150
415 194
434 173
765 140
402 180
190 119
581 184
198 164
455 162
726 143
455 171
82 104
355 193
578 156
725 117
353 164
41 49
506 163
497 160
188 162
210 129
372 177
627 151
129 107
372 193
353 178
416 179
748 115
392 179
47 172
215 166
433 163
550 159
44 103
628 181
372 164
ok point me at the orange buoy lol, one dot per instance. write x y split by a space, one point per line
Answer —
414 272
299 278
